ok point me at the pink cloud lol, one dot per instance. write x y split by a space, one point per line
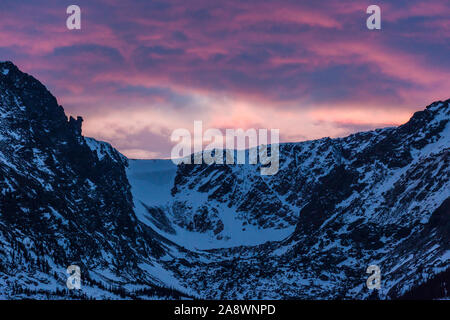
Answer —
147 68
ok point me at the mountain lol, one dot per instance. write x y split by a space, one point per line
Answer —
150 229
65 200
335 207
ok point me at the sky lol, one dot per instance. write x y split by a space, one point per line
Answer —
139 69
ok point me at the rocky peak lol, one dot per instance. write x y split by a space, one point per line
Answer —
62 202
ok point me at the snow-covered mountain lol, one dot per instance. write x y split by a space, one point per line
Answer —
335 207
65 200
150 229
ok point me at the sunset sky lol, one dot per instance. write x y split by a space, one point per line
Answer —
139 69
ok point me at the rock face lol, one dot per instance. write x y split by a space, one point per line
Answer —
64 200
149 229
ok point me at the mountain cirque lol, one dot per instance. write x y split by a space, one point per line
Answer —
148 229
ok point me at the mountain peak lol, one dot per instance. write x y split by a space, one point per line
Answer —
7 68
71 203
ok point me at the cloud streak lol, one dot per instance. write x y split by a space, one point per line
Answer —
136 71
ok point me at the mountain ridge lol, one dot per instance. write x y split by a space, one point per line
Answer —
370 197
153 230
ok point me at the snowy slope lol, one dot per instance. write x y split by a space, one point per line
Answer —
156 206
